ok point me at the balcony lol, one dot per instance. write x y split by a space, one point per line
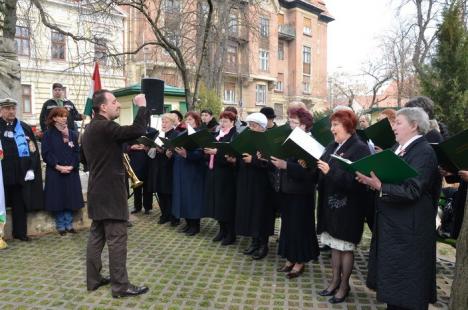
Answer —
287 32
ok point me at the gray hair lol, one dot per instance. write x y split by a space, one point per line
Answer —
422 102
417 116
366 116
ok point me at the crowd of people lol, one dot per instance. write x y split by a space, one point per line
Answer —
244 194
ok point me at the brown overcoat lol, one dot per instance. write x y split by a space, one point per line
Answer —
102 152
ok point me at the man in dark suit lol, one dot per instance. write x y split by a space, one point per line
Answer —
21 166
107 194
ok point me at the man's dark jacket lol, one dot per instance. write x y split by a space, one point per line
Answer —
103 153
73 115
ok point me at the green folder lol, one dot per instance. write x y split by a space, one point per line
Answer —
452 154
225 148
184 140
203 138
272 144
146 141
321 131
302 145
387 166
248 141
381 134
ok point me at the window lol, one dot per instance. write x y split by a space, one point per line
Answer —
172 5
261 92
306 84
58 45
279 110
307 26
230 93
100 52
231 61
233 27
279 86
26 98
306 59
264 26
169 79
263 60
23 41
280 51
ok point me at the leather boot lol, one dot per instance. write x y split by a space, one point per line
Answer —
252 248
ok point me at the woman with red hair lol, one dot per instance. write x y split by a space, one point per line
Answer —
294 185
340 205
220 183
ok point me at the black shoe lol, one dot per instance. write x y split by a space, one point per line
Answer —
193 231
324 248
338 300
162 220
25 238
175 222
251 249
285 268
62 232
147 212
261 252
104 281
132 290
185 229
71 231
325 292
135 211
295 273
228 240
220 236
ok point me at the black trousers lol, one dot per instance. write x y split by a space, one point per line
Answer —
114 232
14 198
165 205
139 195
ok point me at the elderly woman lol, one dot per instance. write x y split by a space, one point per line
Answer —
403 256
294 184
341 200
160 167
188 182
254 213
220 183
60 151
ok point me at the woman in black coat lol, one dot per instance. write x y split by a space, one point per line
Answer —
61 153
402 262
341 202
294 185
254 213
220 183
160 171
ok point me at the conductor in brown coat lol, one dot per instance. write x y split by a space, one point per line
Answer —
107 193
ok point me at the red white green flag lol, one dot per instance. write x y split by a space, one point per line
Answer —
94 86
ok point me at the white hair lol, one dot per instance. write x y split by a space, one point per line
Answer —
417 116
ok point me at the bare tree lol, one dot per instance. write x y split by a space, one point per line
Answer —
379 74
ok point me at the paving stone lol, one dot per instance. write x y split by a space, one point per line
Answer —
182 273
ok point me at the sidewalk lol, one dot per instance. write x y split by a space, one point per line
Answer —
182 273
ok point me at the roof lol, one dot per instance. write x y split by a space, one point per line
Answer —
136 89
315 6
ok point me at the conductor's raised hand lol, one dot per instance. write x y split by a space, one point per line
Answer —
279 163
140 100
181 151
323 166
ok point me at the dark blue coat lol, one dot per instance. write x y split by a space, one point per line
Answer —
188 185
62 191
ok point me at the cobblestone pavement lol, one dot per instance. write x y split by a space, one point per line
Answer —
182 273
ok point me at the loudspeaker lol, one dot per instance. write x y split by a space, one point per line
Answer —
154 93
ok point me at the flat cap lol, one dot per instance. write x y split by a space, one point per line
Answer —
7 102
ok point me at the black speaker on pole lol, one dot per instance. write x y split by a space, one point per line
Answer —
154 93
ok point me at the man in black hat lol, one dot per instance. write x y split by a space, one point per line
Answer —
21 167
270 115
58 100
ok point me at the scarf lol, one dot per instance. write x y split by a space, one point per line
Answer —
218 137
64 131
20 139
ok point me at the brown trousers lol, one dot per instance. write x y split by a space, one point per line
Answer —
113 232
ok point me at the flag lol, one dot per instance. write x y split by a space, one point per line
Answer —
2 196
94 86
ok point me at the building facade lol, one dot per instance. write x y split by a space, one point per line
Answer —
47 56
276 53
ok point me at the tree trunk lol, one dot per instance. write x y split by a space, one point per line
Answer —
459 294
